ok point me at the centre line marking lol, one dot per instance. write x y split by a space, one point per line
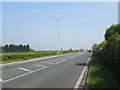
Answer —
25 69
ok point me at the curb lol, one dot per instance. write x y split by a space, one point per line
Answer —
83 78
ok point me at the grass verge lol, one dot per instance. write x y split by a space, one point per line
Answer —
17 60
101 76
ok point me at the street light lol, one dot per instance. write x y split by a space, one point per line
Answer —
79 43
58 34
73 41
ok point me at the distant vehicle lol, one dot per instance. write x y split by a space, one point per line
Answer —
89 50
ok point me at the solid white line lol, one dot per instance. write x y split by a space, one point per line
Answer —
21 75
81 76
25 69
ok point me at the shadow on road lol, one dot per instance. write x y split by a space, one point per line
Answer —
81 64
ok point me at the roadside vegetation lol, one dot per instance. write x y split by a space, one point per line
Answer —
14 53
105 67
101 76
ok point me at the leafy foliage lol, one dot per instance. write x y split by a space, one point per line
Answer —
109 50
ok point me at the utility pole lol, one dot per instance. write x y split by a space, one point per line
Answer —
58 34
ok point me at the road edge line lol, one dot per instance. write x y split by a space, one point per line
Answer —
77 85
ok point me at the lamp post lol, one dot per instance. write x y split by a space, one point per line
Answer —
73 42
79 43
58 34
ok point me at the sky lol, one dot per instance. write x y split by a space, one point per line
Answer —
0 23
35 23
60 0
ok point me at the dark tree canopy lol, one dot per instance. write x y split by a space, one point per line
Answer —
16 48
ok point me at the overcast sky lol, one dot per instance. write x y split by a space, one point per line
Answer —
36 23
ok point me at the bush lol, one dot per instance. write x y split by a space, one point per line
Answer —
109 50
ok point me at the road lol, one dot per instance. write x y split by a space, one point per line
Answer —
56 72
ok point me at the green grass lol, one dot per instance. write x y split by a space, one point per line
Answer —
101 76
17 60
15 57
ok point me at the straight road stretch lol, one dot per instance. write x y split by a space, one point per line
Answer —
55 72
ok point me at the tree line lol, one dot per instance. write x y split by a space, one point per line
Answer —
109 50
16 48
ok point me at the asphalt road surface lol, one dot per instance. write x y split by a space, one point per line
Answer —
55 72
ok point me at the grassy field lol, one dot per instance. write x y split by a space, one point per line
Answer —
101 76
15 57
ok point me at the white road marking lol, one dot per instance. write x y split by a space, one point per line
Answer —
48 62
25 73
81 76
1 80
22 75
63 60
40 65
60 61
25 69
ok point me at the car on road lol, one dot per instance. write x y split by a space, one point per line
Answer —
89 50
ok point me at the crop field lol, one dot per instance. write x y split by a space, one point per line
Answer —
14 57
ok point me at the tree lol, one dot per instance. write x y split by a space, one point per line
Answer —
27 48
5 48
16 48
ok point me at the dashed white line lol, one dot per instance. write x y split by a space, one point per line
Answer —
1 80
48 62
60 61
25 69
63 60
40 65
22 75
